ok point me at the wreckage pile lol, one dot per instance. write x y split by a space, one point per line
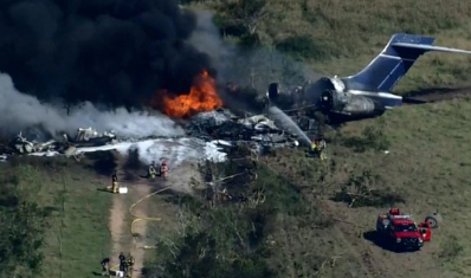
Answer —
258 131
215 133
86 137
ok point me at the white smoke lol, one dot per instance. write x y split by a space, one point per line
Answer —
206 38
254 67
20 111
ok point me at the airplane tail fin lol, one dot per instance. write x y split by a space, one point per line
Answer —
386 69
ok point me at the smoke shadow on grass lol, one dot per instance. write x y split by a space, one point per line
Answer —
133 166
104 162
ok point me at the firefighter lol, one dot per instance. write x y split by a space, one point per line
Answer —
114 182
105 264
152 172
313 149
130 265
122 262
164 169
126 268
317 148
321 149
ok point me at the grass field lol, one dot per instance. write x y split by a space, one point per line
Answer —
341 37
427 166
429 157
78 237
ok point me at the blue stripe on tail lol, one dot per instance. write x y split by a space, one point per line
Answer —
383 73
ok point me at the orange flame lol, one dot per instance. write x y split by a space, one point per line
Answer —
202 97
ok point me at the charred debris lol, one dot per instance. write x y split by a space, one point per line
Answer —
249 126
257 132
85 137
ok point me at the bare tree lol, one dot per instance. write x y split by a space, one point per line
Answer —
247 13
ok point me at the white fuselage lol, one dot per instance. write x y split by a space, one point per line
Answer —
387 99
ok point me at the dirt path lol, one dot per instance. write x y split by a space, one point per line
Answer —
182 179
120 225
120 221
117 227
140 190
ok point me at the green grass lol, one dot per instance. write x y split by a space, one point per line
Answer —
428 165
429 157
341 37
240 241
163 232
78 246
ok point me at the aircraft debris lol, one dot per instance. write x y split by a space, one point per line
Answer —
88 137
21 145
85 137
217 133
222 125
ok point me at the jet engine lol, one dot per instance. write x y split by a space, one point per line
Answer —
337 102
349 104
333 99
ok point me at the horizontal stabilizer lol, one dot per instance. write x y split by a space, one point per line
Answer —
431 48
399 55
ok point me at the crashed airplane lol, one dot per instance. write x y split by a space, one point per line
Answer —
363 95
366 94
220 129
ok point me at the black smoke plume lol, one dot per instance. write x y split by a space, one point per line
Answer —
118 52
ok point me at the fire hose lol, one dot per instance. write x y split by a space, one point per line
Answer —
138 218
143 218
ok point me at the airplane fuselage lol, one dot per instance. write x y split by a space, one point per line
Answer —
366 94
341 105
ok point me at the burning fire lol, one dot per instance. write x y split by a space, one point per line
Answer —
202 97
